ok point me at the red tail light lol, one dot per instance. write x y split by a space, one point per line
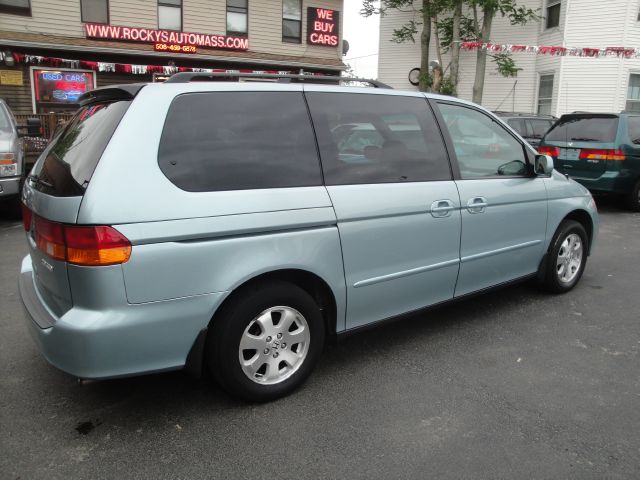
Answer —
26 217
552 151
601 154
79 245
100 245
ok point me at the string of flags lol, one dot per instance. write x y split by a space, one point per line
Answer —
37 60
620 52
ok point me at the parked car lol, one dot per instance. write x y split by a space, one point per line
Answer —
190 224
12 167
531 127
599 150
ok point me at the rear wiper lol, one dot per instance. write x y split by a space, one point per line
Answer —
39 181
579 139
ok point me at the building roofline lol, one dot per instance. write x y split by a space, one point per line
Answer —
167 56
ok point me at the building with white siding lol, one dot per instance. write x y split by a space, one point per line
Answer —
546 84
53 50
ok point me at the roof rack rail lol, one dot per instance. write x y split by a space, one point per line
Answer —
186 77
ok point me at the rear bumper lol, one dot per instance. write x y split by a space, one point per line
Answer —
9 187
610 182
114 342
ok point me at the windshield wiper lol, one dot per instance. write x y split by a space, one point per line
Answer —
580 139
39 181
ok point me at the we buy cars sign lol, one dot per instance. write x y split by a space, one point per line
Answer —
323 27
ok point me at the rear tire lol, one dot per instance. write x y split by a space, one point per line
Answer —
567 257
632 199
265 341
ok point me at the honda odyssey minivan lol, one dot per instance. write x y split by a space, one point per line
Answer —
240 226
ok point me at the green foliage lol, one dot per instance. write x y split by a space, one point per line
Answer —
426 81
406 32
445 30
505 64
447 87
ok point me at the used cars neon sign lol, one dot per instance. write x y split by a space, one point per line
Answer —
323 27
150 35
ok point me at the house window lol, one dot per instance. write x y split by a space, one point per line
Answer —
94 11
170 14
237 17
292 21
545 94
16 7
553 13
633 94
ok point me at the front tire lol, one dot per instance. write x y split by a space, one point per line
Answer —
567 257
265 341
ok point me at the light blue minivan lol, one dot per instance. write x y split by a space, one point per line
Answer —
240 226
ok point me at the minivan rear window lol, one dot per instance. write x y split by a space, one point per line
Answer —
65 167
592 128
217 141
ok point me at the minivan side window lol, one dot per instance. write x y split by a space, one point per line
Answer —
483 147
239 140
365 138
634 129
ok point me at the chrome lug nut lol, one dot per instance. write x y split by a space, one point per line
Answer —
268 339
283 345
279 335
266 351
275 355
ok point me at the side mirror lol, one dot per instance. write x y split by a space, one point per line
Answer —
543 165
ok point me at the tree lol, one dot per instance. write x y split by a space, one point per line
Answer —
426 14
517 15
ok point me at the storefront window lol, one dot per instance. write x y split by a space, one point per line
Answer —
94 11
16 7
237 17
57 90
170 15
292 20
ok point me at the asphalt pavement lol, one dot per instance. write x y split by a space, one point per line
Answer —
511 384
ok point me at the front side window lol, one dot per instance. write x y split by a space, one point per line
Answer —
483 147
377 139
553 13
16 7
238 141
633 94
545 94
292 21
170 14
237 17
94 11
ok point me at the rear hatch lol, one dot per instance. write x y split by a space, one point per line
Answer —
583 145
53 192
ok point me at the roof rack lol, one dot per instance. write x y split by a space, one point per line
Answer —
186 77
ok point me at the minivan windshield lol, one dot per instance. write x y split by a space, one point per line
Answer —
584 128
66 166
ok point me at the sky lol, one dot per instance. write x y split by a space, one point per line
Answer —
362 34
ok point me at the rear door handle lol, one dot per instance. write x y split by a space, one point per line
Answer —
477 205
442 208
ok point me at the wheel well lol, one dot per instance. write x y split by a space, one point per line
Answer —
309 282
582 217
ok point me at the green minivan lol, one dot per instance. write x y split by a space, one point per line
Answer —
599 150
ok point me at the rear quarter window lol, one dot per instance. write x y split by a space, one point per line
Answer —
66 166
239 140
602 129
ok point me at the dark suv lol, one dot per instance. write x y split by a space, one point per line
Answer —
531 127
599 150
